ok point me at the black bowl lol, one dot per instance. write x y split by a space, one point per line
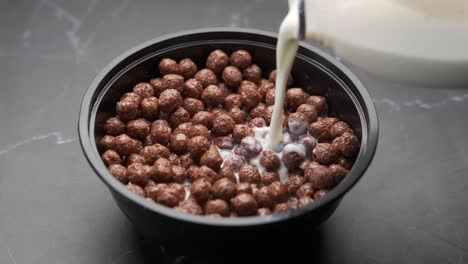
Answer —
313 70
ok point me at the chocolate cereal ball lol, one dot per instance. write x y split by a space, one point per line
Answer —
160 132
168 66
240 59
321 129
232 100
217 111
258 111
262 196
326 153
241 131
193 173
270 97
187 68
252 73
169 100
345 163
179 173
281 207
244 187
137 174
183 128
189 206
217 206
223 124
114 126
250 174
125 145
278 192
304 200
272 78
263 212
198 130
212 158
163 170
107 142
232 76
320 193
144 90
168 196
192 88
186 160
173 158
198 145
206 77
138 128
228 173
158 86
136 189
207 173
154 152
269 177
298 123
292 160
257 122
226 90
201 190
264 86
244 204
338 172
212 95
224 189
217 61
347 144
111 157
319 176
224 142
239 116
233 162
131 96
249 94
149 108
179 116
295 97
308 111
320 104
127 109
134 158
203 118
270 160
179 142
193 106
119 172
293 183
173 81
339 129
305 190
250 146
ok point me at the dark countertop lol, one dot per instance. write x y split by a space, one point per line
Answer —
410 207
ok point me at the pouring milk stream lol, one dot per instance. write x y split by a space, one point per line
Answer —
420 42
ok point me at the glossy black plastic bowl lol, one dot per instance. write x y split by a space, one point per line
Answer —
313 70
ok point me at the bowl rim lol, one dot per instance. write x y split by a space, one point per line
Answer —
365 155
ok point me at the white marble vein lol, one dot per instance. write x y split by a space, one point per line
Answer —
80 46
419 103
9 251
57 135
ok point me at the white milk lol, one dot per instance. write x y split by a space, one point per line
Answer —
285 53
418 41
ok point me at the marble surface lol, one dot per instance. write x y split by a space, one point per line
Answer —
410 207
